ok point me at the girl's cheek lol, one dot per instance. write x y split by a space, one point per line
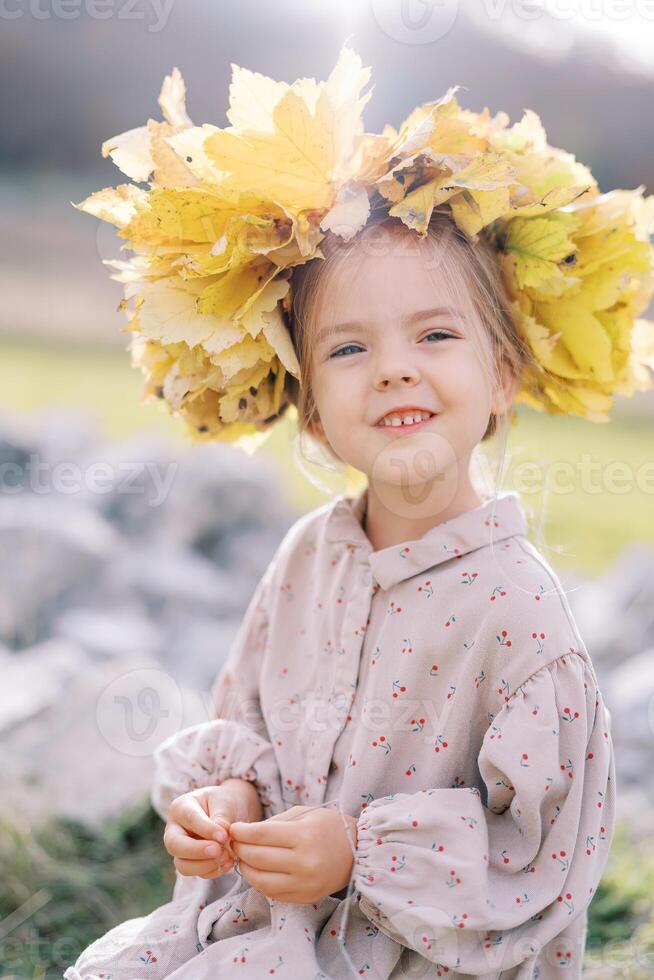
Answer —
461 379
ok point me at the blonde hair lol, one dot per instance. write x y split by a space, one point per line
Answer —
471 269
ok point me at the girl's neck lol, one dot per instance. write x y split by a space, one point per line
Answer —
386 526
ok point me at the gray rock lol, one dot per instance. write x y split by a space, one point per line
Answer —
53 550
41 442
159 574
197 647
35 679
128 481
89 755
630 698
14 466
220 495
615 611
247 552
634 807
62 433
115 632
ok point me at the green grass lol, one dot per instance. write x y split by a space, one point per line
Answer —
587 521
37 374
620 941
77 884
585 528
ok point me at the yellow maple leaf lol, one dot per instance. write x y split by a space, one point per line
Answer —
114 204
537 246
304 148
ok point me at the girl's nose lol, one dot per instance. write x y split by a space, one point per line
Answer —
400 373
409 379
394 365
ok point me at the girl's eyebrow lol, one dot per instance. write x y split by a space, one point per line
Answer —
340 328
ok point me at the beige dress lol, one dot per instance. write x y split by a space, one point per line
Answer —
439 691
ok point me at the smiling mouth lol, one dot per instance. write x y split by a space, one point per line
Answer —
403 427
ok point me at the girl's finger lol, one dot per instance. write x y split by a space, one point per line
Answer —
275 833
223 867
267 882
196 867
178 843
265 858
187 812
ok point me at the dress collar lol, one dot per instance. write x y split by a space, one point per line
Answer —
497 518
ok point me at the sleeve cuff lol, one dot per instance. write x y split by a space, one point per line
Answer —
209 753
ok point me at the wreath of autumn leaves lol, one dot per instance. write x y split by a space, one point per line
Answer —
227 213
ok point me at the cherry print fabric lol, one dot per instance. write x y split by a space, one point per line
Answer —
500 872
439 691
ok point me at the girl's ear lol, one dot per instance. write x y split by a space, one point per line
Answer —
504 398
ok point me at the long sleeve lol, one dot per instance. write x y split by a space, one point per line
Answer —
234 744
480 886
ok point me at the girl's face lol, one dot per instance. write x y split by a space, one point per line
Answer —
394 352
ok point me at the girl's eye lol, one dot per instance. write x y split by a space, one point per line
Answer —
340 351
434 333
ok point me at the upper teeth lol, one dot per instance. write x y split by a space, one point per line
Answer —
408 419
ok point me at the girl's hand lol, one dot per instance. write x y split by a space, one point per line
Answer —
296 856
196 833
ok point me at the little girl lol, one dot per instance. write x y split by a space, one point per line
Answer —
408 656
409 772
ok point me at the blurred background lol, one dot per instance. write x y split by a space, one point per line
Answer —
128 557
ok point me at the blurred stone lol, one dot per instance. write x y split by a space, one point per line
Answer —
64 433
53 551
85 757
113 633
615 611
248 551
197 647
128 481
631 703
35 679
14 465
221 497
634 808
52 436
158 574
